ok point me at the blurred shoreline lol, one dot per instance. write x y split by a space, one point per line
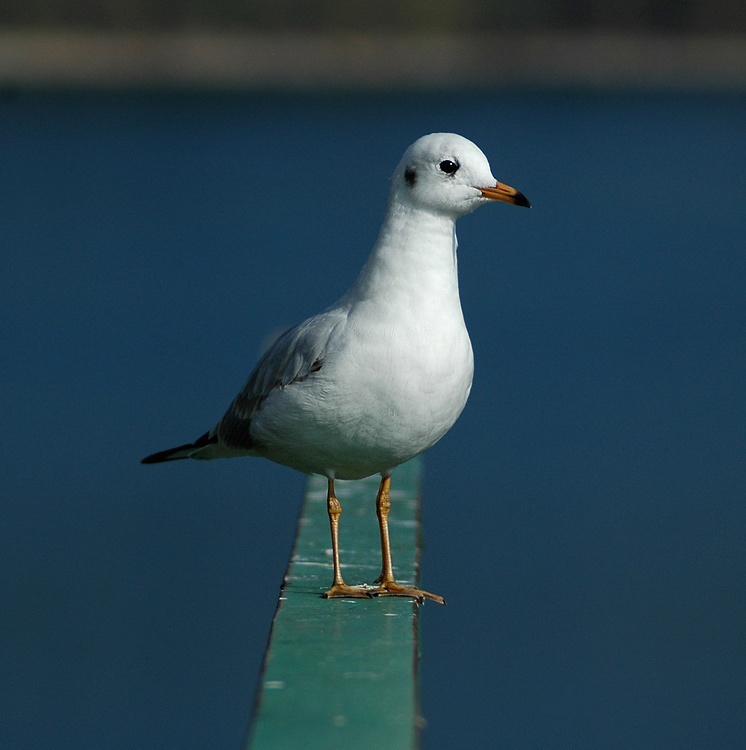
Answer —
307 62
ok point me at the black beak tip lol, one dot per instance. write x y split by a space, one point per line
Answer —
521 200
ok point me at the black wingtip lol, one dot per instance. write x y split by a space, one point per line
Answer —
161 456
170 454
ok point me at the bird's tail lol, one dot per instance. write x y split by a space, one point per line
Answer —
181 451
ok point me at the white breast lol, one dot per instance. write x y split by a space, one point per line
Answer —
398 378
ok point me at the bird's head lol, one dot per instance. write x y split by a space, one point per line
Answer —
447 174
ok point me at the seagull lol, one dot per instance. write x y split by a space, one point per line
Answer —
381 375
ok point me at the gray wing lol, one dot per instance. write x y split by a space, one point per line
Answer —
296 354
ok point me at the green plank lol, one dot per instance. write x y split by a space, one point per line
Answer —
342 673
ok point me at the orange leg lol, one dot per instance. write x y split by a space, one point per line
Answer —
339 587
388 585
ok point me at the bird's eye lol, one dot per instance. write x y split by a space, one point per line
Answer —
448 166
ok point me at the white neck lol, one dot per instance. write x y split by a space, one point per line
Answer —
413 259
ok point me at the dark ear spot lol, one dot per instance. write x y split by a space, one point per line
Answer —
410 176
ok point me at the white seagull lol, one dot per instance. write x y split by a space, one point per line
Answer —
382 374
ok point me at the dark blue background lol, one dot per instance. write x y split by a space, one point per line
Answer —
585 518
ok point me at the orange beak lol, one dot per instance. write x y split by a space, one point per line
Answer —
505 193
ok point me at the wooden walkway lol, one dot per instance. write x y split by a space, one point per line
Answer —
305 62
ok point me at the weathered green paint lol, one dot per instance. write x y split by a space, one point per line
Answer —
342 673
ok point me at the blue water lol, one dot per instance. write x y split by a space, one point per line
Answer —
585 519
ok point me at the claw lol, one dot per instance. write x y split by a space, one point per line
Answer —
342 590
391 588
